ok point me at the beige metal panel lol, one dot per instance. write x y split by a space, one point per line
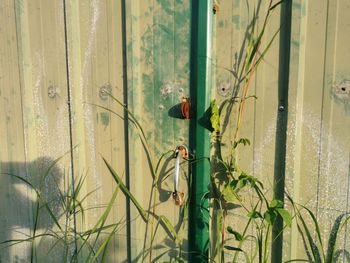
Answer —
334 160
307 111
43 78
14 196
138 162
304 127
95 59
117 137
43 124
295 117
158 39
321 155
263 118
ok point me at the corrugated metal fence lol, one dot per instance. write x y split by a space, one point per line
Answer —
60 59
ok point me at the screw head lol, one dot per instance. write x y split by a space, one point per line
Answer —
105 91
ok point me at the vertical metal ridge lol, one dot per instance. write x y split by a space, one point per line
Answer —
282 123
69 95
322 121
126 131
199 135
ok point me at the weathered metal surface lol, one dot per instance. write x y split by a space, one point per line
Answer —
317 164
158 52
12 144
95 70
319 124
34 124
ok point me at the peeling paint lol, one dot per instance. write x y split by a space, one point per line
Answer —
104 117
171 87
295 43
166 6
236 20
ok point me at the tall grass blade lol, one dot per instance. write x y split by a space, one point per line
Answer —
275 5
98 227
169 226
314 249
332 240
125 190
317 227
138 126
102 249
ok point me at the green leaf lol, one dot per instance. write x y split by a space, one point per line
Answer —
233 248
275 203
230 195
242 183
243 141
125 190
238 236
317 228
169 226
287 218
233 184
252 180
254 215
270 216
312 244
215 116
104 245
333 237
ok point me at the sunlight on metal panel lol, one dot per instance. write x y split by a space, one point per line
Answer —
35 69
158 77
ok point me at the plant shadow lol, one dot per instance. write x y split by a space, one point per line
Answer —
27 214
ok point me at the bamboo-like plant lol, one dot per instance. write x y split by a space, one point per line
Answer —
230 185
229 190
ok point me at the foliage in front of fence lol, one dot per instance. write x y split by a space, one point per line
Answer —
240 198
153 220
73 243
235 195
233 189
311 236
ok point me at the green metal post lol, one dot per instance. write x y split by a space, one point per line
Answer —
282 126
200 136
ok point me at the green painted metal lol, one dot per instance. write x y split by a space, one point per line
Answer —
140 51
282 126
199 135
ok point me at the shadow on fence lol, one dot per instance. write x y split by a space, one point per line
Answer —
23 214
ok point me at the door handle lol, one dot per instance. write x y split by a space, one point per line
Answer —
181 152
